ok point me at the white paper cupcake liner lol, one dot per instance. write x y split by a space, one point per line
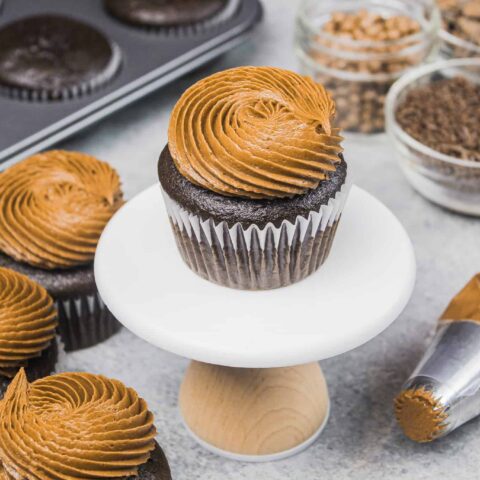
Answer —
255 258
85 321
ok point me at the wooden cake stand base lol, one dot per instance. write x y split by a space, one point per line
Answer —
254 411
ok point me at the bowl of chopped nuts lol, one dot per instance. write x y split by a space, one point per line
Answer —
358 50
460 32
433 121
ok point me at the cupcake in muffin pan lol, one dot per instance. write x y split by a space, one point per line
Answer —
28 320
253 177
178 16
53 57
77 426
53 208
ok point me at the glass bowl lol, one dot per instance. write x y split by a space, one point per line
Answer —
359 72
452 46
448 181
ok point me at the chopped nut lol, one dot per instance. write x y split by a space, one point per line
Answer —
472 9
360 104
471 28
462 19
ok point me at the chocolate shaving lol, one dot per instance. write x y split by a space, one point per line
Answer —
444 115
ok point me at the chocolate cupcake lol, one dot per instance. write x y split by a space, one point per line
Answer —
77 426
53 208
51 57
253 177
166 13
28 320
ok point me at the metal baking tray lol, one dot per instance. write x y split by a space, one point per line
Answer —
150 60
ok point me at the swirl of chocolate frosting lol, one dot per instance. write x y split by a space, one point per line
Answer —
54 207
255 132
73 426
27 321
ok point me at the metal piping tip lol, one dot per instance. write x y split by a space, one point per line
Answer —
443 392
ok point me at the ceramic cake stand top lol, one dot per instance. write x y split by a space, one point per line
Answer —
358 292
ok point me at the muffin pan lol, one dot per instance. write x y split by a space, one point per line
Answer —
150 60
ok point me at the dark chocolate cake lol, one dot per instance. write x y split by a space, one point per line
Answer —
84 320
156 468
36 368
208 204
61 284
51 57
164 13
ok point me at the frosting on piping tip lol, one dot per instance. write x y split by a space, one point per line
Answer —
54 207
255 132
466 304
420 414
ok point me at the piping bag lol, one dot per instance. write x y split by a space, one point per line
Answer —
443 392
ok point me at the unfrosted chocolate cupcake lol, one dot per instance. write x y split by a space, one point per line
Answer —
53 208
164 13
253 177
77 426
52 57
28 320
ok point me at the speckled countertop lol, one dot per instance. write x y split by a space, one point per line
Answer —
361 440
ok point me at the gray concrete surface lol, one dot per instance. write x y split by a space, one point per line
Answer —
361 440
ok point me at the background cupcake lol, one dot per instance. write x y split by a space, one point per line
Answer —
166 13
53 208
28 320
253 177
52 57
77 426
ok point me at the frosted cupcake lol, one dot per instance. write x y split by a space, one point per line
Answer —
253 177
76 426
28 320
53 208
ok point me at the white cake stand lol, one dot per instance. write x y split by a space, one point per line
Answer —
254 390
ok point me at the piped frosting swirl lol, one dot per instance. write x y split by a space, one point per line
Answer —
73 426
27 321
255 132
54 207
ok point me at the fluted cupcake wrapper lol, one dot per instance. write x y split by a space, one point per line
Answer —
256 258
85 321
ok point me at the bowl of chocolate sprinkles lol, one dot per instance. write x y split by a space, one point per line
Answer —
433 120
